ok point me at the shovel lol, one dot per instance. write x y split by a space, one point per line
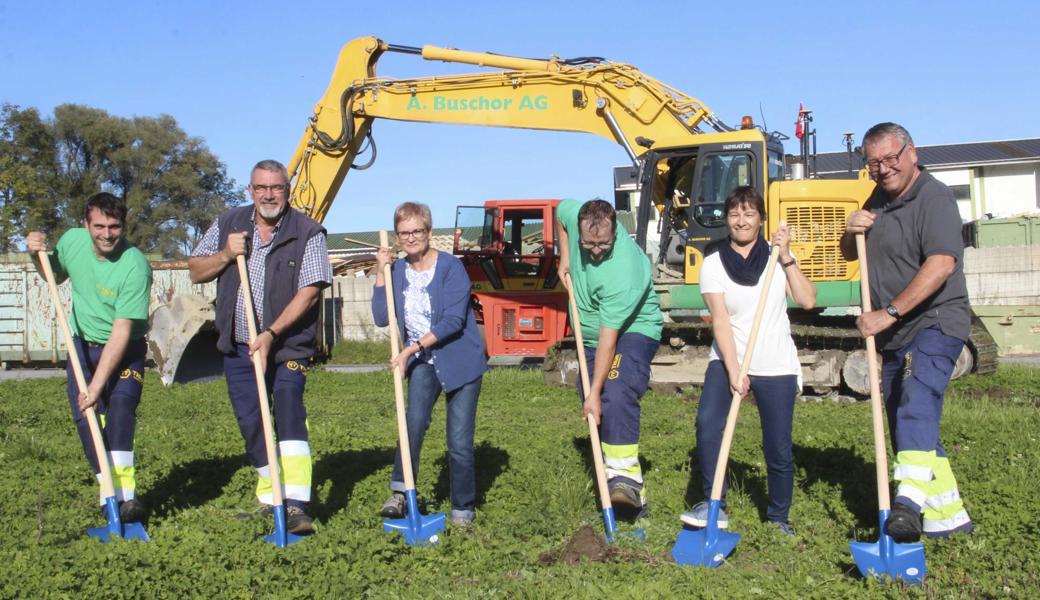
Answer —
417 529
709 546
885 556
280 536
609 524
127 531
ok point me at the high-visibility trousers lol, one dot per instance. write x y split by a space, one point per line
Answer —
285 385
914 379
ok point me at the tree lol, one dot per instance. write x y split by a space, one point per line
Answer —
173 185
27 182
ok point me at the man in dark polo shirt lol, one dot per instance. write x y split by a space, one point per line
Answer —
922 320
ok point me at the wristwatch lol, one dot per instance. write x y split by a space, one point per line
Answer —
892 311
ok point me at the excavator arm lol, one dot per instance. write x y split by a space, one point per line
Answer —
590 95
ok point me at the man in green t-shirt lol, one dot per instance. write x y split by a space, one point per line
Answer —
111 289
621 326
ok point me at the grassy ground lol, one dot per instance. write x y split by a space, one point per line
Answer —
360 353
534 492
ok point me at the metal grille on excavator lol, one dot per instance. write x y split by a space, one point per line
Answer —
819 228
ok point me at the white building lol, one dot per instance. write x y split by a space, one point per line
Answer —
1000 178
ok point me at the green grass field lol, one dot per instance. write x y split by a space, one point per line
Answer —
535 492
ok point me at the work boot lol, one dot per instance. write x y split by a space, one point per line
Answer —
698 516
132 511
624 494
394 506
903 524
297 521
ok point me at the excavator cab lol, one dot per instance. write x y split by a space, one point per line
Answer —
508 248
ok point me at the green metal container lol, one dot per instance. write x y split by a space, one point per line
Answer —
1012 231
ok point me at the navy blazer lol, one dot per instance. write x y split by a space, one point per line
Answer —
458 356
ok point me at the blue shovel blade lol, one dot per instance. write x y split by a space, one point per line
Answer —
127 531
610 530
280 536
903 561
417 529
886 557
423 531
708 546
696 547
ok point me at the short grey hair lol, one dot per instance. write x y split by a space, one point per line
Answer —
272 165
887 128
413 210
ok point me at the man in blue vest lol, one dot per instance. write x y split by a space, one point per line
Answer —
288 268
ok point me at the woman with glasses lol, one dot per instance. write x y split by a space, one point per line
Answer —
731 282
443 350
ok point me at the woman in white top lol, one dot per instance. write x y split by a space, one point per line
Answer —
732 276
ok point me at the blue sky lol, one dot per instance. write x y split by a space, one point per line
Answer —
245 76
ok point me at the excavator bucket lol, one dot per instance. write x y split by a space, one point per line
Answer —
183 340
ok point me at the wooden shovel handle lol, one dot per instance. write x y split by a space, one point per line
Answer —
107 489
259 370
583 370
395 349
734 405
877 416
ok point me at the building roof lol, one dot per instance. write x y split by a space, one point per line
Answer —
971 154
365 241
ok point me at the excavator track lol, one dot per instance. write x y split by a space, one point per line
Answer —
831 351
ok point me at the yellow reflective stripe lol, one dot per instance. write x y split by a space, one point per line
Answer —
620 451
622 460
296 470
296 479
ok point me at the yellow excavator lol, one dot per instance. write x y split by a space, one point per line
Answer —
686 161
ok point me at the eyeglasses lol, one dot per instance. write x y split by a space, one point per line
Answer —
596 245
888 161
277 188
415 234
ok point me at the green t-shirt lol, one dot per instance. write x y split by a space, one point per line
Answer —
615 292
104 289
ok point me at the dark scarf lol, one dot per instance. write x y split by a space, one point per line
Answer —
743 271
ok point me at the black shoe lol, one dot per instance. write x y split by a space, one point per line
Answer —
297 521
132 511
903 524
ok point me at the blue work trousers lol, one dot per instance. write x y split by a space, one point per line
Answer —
774 397
285 385
627 381
423 391
914 379
117 406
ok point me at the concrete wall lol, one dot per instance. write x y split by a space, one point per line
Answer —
351 298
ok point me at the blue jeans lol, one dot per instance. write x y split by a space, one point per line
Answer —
774 396
423 390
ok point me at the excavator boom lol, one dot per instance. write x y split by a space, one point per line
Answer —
589 95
